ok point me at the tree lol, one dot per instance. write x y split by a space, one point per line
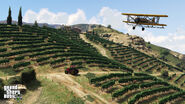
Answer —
28 75
36 24
9 18
1 89
20 17
109 26
93 32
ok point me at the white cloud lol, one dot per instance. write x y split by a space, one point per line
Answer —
30 16
112 17
106 16
78 17
46 16
94 20
174 41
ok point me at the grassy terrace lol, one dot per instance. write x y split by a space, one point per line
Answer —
30 46
139 61
140 88
133 58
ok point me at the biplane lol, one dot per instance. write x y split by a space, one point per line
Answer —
144 20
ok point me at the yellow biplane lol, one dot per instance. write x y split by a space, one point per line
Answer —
144 20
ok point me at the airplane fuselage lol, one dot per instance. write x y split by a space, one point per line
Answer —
141 20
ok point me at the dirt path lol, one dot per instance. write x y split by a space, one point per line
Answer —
95 72
100 48
81 73
75 87
34 96
7 77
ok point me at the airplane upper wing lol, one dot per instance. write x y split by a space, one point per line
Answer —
155 24
150 15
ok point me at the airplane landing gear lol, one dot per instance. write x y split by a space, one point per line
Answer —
134 28
143 29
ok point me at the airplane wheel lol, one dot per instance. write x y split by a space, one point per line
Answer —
133 28
143 29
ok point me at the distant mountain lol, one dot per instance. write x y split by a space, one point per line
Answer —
86 27
83 27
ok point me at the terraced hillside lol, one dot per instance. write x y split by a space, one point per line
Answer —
139 88
31 46
137 60
167 55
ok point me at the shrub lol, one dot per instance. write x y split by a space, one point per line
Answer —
164 52
28 75
1 93
1 89
14 80
21 64
109 26
90 75
4 61
19 58
75 100
164 74
89 98
3 50
1 82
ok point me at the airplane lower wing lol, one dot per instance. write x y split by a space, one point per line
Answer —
154 24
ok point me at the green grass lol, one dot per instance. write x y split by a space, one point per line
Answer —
154 47
44 68
7 72
106 30
171 58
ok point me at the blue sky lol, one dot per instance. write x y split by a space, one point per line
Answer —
107 12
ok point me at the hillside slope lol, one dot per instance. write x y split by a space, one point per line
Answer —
138 61
173 58
34 46
49 51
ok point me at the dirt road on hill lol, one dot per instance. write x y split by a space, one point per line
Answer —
95 72
35 96
100 48
75 87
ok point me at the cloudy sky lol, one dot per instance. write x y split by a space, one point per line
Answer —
106 12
